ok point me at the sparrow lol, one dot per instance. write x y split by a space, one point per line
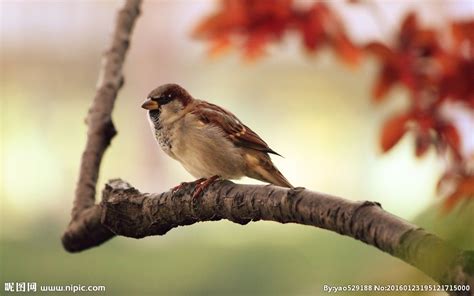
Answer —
209 141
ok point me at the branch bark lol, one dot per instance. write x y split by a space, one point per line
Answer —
127 212
100 132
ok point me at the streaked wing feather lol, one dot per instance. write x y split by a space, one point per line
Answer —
236 131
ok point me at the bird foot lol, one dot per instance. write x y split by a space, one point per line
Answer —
202 184
182 184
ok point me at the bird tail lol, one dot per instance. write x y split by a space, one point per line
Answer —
276 177
266 171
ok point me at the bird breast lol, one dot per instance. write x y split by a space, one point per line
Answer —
163 136
162 132
202 149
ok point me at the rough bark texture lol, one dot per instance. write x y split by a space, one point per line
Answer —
100 132
125 211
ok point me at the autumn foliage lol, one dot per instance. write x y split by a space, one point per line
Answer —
436 69
252 25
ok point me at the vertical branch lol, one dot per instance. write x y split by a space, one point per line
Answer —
101 129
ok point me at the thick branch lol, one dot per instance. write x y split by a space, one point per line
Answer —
126 211
101 130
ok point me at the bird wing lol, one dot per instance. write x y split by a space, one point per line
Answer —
235 130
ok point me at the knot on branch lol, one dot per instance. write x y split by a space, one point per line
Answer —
116 188
103 127
122 209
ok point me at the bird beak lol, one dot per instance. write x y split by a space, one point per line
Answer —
150 105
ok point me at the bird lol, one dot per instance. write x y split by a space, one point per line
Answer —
209 141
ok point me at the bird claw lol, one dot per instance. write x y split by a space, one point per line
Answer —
176 188
182 184
202 184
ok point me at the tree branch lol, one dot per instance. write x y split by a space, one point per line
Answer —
100 132
127 212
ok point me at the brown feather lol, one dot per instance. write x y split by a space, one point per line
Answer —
237 132
261 167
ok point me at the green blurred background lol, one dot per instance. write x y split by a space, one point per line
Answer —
312 109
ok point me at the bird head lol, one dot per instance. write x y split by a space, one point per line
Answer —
167 99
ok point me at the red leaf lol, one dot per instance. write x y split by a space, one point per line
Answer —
312 29
255 46
408 30
463 32
406 74
231 15
423 142
450 135
387 78
426 121
380 50
346 49
465 189
313 37
393 130
219 46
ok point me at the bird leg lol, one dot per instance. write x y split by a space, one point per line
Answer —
202 185
182 184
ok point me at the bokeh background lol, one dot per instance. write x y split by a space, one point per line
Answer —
312 109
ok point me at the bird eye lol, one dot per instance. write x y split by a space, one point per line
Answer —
164 99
